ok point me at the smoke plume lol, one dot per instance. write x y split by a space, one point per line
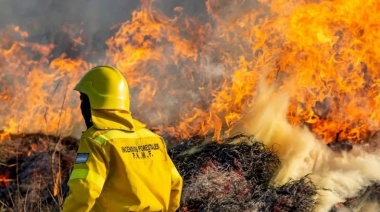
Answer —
338 175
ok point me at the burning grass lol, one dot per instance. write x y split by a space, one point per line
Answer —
33 172
234 175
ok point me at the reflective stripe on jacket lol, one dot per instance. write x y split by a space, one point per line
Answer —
118 170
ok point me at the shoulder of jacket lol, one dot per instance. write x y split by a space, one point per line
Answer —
95 135
102 136
144 132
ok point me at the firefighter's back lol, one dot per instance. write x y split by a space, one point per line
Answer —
139 176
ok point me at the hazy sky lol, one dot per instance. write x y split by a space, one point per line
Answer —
43 15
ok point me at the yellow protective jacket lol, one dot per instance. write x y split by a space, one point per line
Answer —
122 166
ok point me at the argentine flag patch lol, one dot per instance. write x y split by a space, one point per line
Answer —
82 157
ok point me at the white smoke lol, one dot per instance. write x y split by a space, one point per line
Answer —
338 176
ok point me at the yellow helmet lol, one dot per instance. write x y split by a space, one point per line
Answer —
106 88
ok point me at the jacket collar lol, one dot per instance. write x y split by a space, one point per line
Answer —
114 119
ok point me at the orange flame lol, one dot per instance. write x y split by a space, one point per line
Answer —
191 75
4 181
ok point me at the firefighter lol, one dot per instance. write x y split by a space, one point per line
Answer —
120 165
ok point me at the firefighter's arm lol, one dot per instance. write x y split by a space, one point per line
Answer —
88 176
176 191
